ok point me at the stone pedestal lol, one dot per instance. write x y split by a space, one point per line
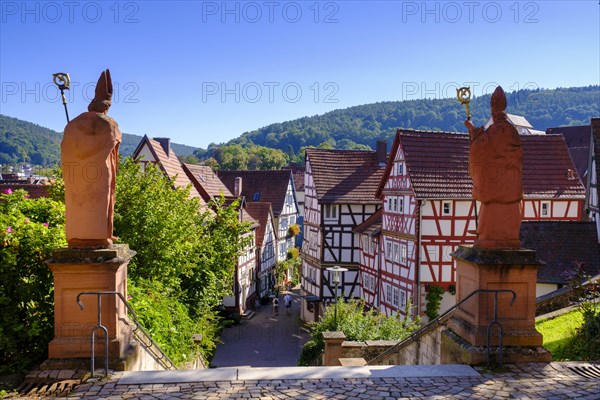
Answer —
81 270
496 269
333 348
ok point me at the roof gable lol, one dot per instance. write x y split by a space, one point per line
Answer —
263 214
578 141
168 163
206 181
345 176
437 164
271 186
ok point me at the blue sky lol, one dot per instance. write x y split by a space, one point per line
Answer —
204 72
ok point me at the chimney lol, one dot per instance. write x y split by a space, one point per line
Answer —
237 186
382 152
165 143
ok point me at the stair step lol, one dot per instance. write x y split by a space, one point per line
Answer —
248 314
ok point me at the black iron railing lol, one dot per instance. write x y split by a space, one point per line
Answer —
139 332
442 319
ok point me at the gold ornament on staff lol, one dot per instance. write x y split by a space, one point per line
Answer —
464 96
63 81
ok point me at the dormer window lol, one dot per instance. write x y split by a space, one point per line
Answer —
256 196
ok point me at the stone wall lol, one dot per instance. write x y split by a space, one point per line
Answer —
424 350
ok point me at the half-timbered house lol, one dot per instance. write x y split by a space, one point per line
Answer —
594 172
340 188
428 209
158 151
266 243
275 187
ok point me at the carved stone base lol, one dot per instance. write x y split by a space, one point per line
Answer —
88 270
455 350
515 270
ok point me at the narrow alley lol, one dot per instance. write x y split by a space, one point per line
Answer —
265 340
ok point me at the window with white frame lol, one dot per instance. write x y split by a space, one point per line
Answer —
388 294
402 299
399 167
388 204
545 209
400 204
388 249
330 211
446 208
394 204
282 250
396 297
284 223
403 253
396 257
292 219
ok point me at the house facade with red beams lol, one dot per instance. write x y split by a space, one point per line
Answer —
266 245
340 187
428 211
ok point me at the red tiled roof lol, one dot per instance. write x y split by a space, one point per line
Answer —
578 142
271 186
371 225
260 211
561 245
298 176
34 191
437 163
596 144
206 182
345 176
169 164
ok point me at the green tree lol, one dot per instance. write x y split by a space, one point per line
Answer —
186 252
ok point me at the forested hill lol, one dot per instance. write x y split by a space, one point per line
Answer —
26 142
360 126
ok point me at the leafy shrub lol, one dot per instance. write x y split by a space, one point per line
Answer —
29 231
585 344
359 325
434 301
165 318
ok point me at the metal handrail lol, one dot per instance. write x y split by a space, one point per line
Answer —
161 357
438 321
317 360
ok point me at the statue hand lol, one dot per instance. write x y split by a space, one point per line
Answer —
469 125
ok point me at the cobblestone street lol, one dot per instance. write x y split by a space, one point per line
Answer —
265 340
524 381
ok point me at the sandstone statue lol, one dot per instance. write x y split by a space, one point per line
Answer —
89 160
496 167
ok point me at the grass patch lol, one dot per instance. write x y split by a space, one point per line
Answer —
558 333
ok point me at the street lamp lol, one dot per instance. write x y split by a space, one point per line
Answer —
335 277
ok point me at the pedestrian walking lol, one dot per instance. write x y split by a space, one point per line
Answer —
275 306
287 301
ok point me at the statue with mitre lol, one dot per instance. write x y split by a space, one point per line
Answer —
496 167
89 160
